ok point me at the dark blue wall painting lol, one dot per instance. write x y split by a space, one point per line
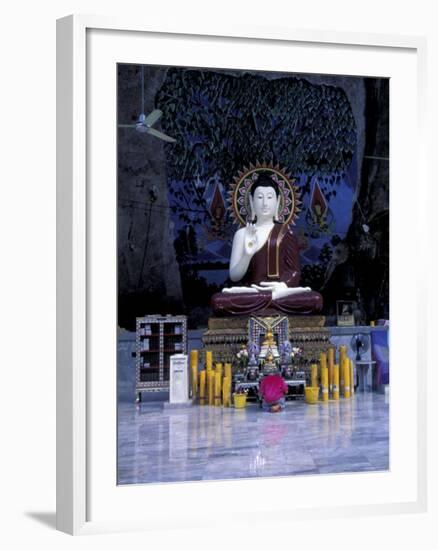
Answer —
175 227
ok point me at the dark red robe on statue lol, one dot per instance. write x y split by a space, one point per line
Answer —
277 260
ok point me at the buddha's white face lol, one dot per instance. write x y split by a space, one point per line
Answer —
265 203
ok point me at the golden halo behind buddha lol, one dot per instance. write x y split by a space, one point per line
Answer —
239 193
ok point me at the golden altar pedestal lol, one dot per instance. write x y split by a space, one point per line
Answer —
225 336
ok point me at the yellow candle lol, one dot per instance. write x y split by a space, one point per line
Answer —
331 362
194 372
346 369
210 387
228 371
314 376
372 323
226 400
194 378
218 368
209 360
351 377
217 387
342 357
202 375
324 384
194 357
322 366
335 393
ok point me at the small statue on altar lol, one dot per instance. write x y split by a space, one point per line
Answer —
265 252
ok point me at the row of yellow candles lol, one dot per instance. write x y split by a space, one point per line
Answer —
210 385
213 385
335 379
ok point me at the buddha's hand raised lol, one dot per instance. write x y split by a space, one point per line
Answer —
250 239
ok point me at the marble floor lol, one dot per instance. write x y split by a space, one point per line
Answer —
158 444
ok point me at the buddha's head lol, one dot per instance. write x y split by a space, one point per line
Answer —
264 198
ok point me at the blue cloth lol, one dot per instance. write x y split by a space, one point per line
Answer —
267 406
380 354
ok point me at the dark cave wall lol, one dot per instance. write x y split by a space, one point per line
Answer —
361 272
148 274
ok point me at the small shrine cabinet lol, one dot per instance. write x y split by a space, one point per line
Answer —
158 337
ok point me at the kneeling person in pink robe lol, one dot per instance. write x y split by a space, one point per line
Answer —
272 390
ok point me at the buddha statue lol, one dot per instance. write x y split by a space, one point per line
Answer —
265 258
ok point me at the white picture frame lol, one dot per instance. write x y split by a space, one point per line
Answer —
78 234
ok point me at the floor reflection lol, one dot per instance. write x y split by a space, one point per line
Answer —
158 444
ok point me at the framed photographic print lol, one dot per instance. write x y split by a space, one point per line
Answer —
231 210
344 311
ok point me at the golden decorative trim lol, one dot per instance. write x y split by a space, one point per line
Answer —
241 321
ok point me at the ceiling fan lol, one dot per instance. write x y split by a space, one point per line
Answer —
144 123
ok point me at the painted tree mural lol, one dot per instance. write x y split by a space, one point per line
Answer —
222 122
